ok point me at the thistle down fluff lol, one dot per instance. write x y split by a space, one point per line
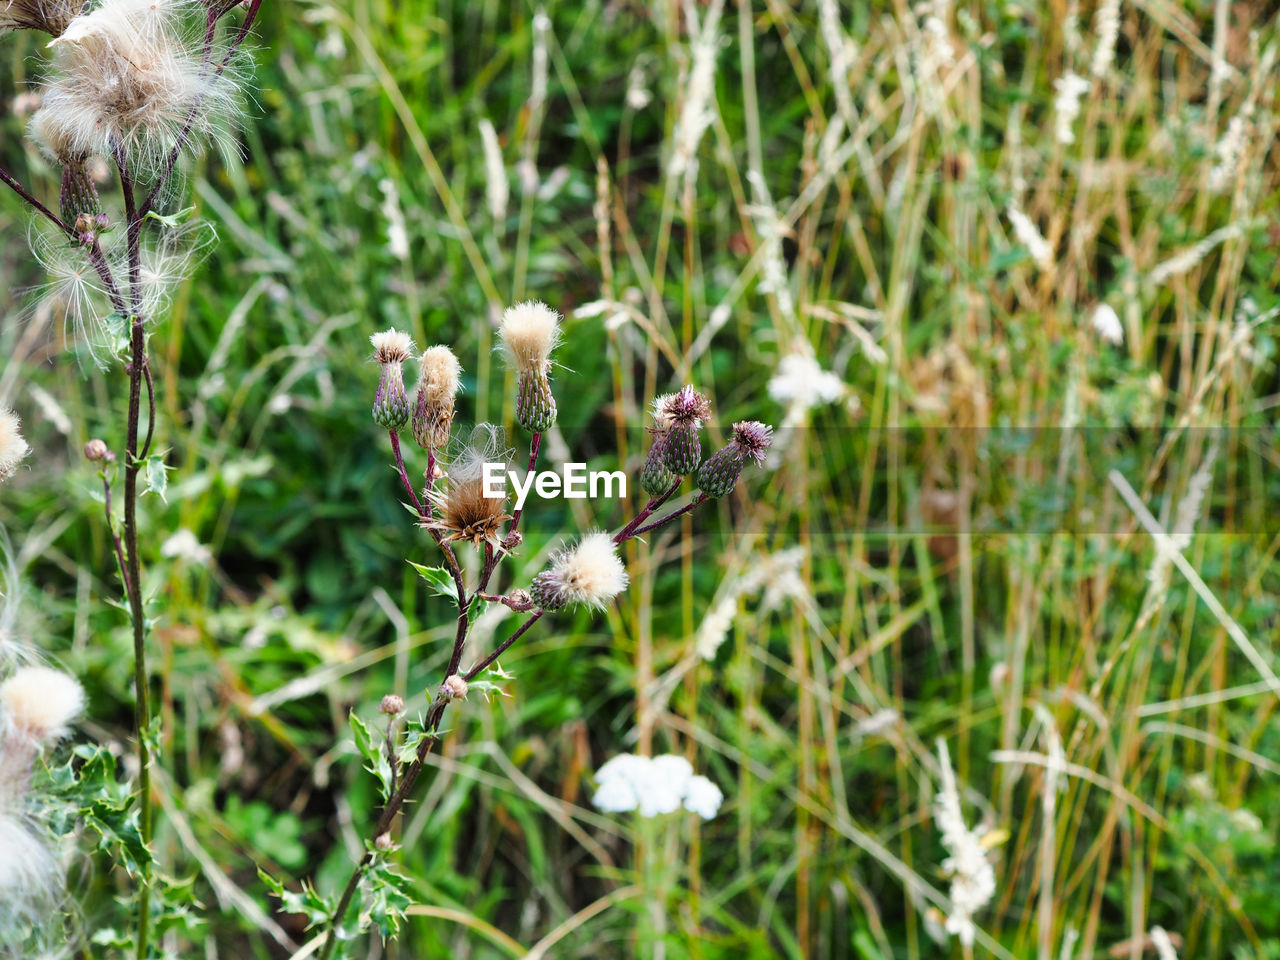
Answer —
130 76
437 391
37 704
528 334
590 573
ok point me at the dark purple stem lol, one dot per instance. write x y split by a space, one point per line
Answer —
404 476
663 521
629 531
502 647
115 537
35 204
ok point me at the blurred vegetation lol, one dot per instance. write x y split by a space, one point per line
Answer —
368 111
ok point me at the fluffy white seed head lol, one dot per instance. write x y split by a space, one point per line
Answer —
130 75
12 446
391 346
590 572
51 16
440 374
529 332
39 702
30 878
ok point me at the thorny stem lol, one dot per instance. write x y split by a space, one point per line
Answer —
501 648
31 201
111 528
133 584
440 703
138 367
629 531
404 474
533 459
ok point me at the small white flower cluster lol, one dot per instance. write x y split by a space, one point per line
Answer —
1107 24
800 379
1227 153
1066 105
1029 235
776 572
973 880
654 786
1106 324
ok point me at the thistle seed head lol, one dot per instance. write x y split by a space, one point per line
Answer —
392 705
590 573
12 447
463 512
454 688
437 390
40 701
686 408
752 439
391 346
718 475
391 349
97 450
131 76
529 332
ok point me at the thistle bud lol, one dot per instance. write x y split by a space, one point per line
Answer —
392 705
391 349
95 449
655 478
78 199
686 411
384 842
437 390
719 475
589 573
454 688
529 332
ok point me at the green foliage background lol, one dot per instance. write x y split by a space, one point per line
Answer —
310 610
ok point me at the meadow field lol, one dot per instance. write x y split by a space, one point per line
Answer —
980 660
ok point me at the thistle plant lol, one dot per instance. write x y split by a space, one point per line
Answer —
458 513
136 84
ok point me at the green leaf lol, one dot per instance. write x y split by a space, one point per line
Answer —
373 749
155 475
316 908
441 580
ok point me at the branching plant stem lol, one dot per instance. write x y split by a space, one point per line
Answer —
440 703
